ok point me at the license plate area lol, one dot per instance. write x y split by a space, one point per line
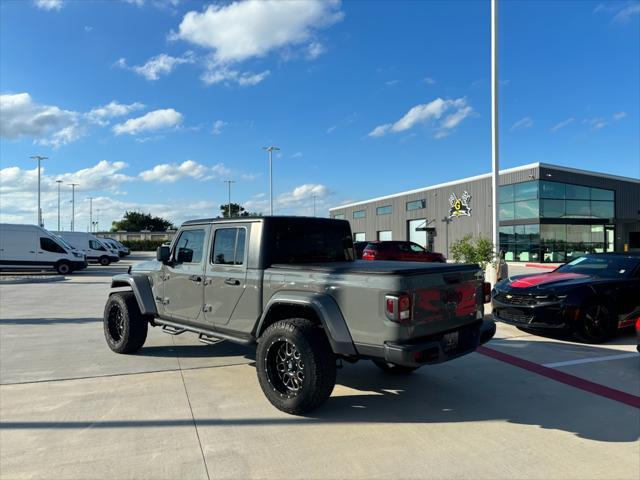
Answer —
450 341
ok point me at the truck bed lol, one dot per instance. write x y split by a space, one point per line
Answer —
366 267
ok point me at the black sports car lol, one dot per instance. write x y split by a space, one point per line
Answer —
593 296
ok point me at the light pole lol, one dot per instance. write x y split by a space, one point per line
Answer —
39 158
495 170
73 205
90 214
58 182
314 204
271 149
447 221
229 182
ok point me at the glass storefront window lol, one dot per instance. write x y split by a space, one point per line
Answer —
579 233
600 194
578 208
506 211
505 194
527 209
552 190
552 208
577 192
526 191
602 210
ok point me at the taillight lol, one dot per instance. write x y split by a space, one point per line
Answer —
368 255
398 308
486 291
638 325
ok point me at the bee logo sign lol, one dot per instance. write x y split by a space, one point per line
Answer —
460 206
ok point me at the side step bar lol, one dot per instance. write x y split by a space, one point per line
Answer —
202 332
172 330
209 340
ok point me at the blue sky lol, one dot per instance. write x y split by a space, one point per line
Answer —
150 104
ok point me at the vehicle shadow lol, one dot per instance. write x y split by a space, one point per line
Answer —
626 336
48 321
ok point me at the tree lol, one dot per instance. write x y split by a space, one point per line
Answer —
236 211
472 250
136 221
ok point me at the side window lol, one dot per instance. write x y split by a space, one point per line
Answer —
49 245
95 245
416 248
189 247
228 246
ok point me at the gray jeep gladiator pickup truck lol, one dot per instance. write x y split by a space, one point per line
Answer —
291 286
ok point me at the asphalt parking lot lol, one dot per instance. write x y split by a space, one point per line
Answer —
523 407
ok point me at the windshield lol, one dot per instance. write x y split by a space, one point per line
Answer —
62 241
305 242
608 266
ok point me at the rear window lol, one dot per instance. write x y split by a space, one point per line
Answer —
309 241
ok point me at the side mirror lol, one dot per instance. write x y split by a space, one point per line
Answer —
163 253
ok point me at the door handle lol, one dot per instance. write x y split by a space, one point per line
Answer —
32 251
195 278
232 281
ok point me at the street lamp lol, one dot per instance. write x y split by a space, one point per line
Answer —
271 149
58 182
229 182
495 170
90 214
314 204
39 158
73 205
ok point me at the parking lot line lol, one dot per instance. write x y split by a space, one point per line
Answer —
580 361
567 379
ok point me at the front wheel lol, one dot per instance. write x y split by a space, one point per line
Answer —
125 328
104 261
63 268
596 325
295 365
393 367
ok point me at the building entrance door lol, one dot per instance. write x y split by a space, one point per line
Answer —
609 238
418 231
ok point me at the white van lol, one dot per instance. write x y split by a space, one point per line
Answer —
95 249
29 247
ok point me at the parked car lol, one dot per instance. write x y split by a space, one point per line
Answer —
96 250
399 250
638 331
30 247
117 246
358 248
593 297
291 286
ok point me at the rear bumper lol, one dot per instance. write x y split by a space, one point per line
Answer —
434 350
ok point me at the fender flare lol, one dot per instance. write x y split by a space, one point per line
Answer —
328 312
141 288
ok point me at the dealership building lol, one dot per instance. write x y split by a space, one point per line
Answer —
547 213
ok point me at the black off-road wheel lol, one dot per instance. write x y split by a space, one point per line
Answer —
597 323
125 328
104 261
63 268
296 366
393 368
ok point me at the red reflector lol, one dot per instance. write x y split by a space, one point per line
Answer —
486 290
405 303
390 302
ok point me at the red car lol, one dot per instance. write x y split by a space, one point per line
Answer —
402 251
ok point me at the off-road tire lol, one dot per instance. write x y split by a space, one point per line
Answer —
602 329
125 334
63 268
393 368
318 365
104 261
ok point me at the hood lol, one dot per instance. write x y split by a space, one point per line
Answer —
148 266
551 279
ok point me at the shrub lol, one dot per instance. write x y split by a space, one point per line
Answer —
472 250
142 245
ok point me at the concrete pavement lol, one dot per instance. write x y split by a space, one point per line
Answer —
70 408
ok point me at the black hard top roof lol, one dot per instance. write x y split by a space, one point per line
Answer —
280 218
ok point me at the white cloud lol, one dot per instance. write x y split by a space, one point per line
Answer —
390 83
314 50
331 129
596 123
216 73
297 155
562 124
157 66
20 117
218 125
299 201
525 122
619 115
432 112
171 173
49 4
156 120
250 176
112 109
621 12
253 28
429 81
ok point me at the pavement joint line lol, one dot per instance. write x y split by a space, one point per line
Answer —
562 377
123 374
589 360
193 418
